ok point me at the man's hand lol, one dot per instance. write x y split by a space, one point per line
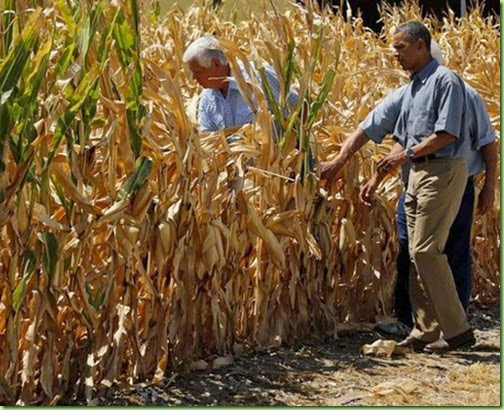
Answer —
368 190
392 161
329 169
486 199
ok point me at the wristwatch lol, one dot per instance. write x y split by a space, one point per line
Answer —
410 153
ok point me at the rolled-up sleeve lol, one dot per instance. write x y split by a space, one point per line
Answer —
482 133
450 113
382 120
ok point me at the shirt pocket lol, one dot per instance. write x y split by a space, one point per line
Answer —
421 123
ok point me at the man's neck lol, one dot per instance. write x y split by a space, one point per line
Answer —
421 65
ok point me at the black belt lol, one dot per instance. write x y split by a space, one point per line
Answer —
425 158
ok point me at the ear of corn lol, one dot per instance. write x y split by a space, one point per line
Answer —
139 246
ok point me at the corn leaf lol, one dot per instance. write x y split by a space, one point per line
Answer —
142 171
8 18
321 97
20 290
13 65
50 252
272 102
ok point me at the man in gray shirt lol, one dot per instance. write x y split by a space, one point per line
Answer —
431 131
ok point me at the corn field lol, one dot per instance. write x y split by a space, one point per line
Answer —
131 246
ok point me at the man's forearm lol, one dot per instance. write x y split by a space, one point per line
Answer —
489 153
433 143
396 149
352 144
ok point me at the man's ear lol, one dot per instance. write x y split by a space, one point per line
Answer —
421 43
216 63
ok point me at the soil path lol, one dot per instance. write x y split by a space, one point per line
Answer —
332 373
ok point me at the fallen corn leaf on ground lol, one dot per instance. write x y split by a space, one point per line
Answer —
331 373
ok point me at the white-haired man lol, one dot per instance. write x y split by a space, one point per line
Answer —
222 105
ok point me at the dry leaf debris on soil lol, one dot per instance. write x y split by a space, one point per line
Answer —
332 373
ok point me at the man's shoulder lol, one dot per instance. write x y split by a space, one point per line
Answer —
472 93
399 92
445 75
395 96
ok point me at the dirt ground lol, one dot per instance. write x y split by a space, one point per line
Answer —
332 373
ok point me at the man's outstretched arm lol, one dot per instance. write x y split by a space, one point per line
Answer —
352 144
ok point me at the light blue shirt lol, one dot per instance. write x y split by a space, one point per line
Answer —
217 111
480 130
383 120
433 101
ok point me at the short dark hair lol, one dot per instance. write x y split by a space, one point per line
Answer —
415 30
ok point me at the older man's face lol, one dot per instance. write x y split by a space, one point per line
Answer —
406 52
207 77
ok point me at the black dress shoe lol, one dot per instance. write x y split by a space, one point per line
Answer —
464 339
413 343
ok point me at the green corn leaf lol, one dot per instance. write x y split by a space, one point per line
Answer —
321 97
96 12
37 74
87 31
84 37
99 301
50 254
95 302
135 16
6 124
66 59
8 16
61 195
135 137
271 98
143 167
89 294
289 69
28 103
13 65
103 49
318 46
15 145
156 12
125 39
20 290
67 15
291 121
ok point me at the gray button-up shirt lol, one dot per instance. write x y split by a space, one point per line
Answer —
382 121
433 101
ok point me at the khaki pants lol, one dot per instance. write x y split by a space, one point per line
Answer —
433 197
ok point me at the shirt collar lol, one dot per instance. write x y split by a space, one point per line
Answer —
232 84
425 72
232 87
